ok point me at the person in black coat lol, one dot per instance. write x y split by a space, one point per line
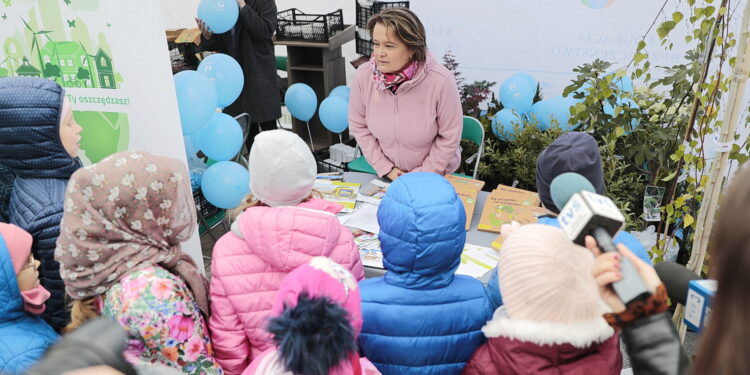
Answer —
249 42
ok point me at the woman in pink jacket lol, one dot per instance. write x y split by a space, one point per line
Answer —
281 227
404 107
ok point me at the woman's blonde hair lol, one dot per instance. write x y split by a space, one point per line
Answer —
81 311
251 201
406 26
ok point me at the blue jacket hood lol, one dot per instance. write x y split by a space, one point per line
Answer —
30 145
571 152
422 231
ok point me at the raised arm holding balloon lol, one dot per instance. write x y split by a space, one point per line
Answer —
244 32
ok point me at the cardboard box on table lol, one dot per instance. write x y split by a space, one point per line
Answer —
467 189
507 204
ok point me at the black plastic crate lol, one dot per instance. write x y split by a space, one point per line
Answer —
201 204
364 46
325 166
293 24
364 12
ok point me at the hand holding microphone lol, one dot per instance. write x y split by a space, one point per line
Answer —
607 268
593 219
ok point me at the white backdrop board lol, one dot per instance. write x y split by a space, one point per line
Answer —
545 38
112 60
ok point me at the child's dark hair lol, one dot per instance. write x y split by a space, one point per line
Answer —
313 337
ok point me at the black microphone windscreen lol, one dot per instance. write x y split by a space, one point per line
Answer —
676 279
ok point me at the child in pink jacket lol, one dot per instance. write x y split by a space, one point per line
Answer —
317 318
282 227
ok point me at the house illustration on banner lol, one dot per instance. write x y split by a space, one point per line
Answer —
27 70
76 67
104 71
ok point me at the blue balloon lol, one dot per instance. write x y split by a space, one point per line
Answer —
540 111
219 15
625 83
334 113
504 124
225 183
342 91
196 100
624 102
559 112
301 101
533 83
516 94
221 139
227 75
584 89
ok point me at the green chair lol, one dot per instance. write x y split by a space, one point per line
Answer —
281 63
361 164
473 131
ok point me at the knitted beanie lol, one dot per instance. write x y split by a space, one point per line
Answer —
544 277
571 152
18 242
282 168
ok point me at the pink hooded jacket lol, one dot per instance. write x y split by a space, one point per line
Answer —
417 129
249 264
319 278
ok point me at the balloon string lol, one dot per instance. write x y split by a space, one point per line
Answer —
312 148
340 140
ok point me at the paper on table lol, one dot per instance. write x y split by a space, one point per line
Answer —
369 248
365 217
477 260
378 195
344 193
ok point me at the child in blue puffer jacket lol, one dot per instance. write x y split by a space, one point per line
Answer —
39 142
23 335
421 318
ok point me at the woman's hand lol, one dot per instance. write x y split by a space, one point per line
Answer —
207 34
241 3
394 174
606 270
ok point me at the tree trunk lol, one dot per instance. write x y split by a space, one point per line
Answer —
732 115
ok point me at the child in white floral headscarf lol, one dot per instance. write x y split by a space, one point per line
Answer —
119 253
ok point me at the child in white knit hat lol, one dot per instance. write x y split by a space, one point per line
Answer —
282 225
551 320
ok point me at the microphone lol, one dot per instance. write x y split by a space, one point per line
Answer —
585 213
676 279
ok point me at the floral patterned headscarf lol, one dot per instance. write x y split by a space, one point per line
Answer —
127 212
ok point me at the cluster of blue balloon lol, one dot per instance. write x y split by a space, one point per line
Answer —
217 83
517 95
302 103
